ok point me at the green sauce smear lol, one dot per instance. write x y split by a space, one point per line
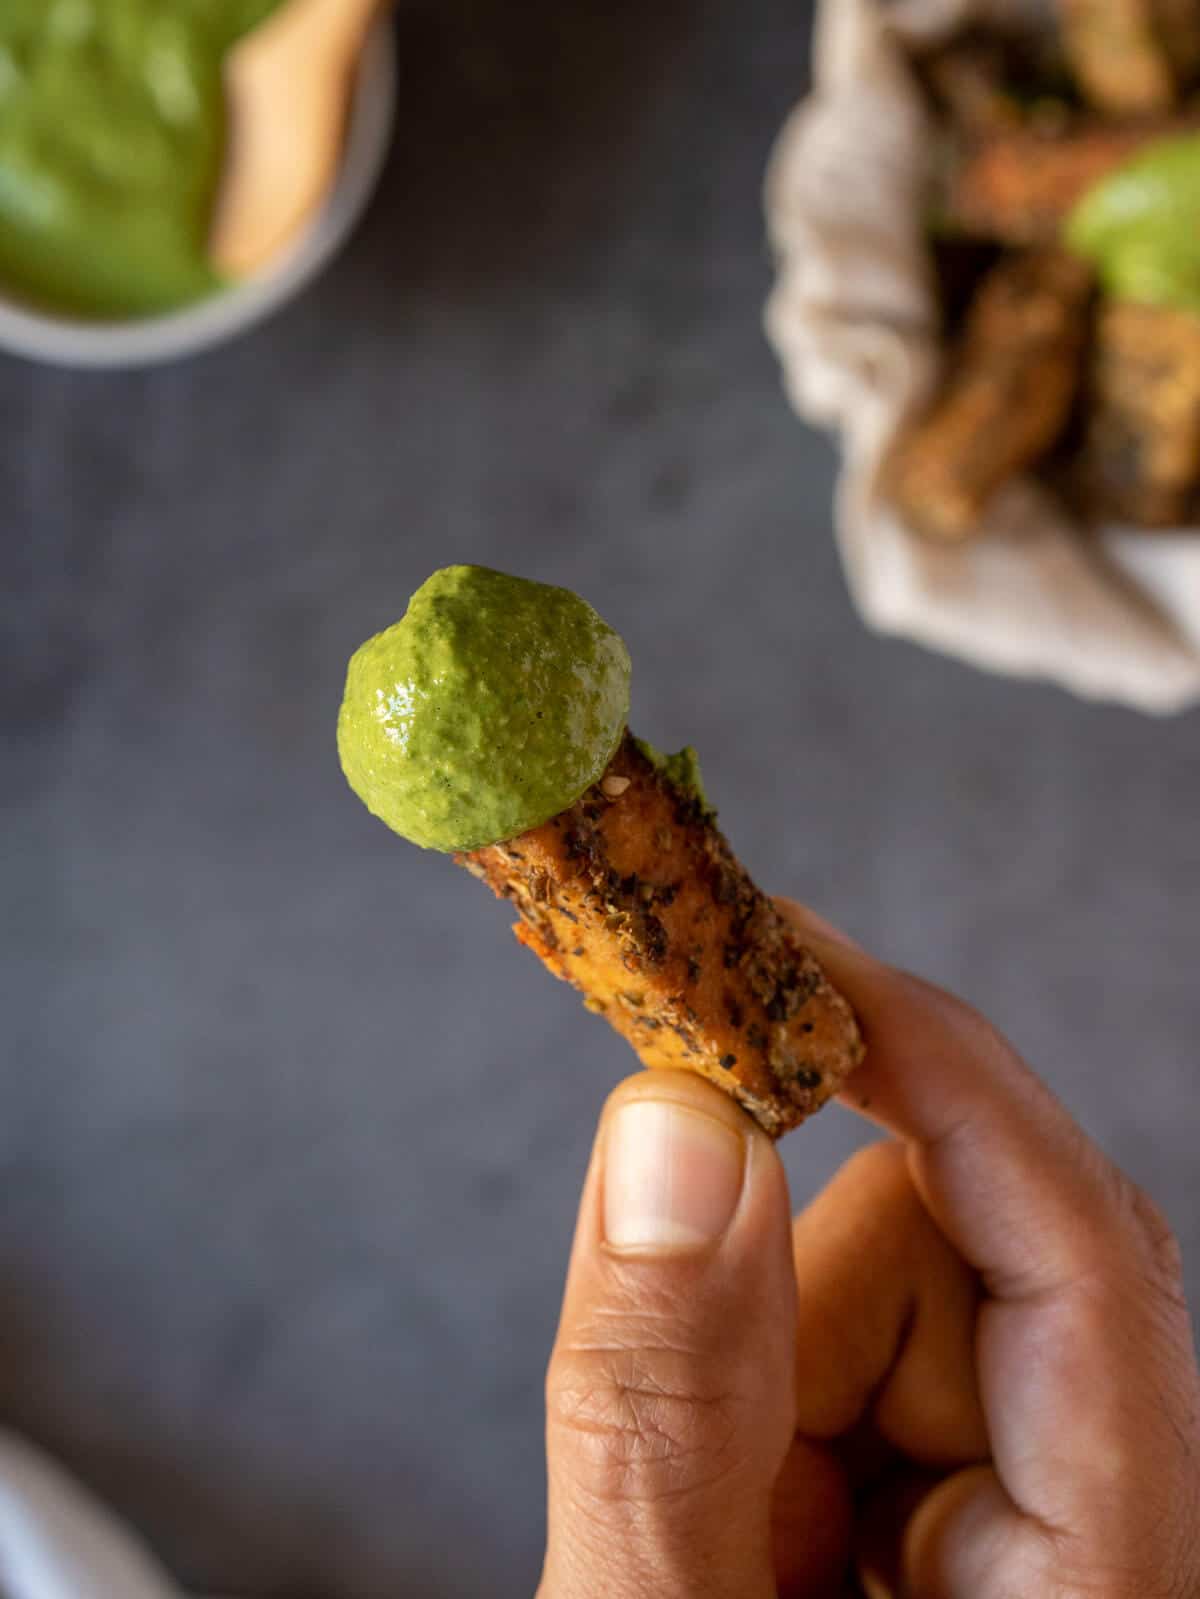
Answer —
682 769
1140 227
491 706
112 138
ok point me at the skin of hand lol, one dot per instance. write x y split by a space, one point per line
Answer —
966 1371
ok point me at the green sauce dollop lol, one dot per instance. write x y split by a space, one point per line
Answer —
1141 227
489 708
112 137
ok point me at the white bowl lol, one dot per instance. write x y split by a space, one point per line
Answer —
64 341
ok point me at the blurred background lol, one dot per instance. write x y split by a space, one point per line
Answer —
291 1131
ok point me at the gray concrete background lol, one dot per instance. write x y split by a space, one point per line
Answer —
291 1130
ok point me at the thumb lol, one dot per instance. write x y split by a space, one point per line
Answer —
670 1390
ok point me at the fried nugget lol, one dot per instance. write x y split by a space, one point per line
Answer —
1132 58
1019 186
1142 451
1007 399
635 897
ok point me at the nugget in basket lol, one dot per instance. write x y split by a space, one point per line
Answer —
1078 162
987 222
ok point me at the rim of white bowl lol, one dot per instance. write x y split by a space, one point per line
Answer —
60 341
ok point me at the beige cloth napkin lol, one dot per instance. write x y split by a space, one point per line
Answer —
58 1542
854 320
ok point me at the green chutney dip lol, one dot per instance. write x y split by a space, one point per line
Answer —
491 706
1140 227
112 138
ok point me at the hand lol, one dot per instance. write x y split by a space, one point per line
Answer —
966 1372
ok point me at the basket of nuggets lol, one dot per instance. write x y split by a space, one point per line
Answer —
986 220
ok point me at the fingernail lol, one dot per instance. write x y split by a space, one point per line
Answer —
672 1177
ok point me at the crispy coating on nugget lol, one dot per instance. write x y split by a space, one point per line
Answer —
1006 401
635 897
1142 451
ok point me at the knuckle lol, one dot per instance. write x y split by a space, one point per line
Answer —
1135 1243
1157 1237
641 1420
1121 1238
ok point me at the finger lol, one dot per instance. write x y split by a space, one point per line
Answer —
1085 1351
812 1515
954 1538
886 1318
1009 1177
669 1394
884 1354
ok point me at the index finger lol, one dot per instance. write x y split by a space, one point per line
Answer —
1084 1352
1008 1175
